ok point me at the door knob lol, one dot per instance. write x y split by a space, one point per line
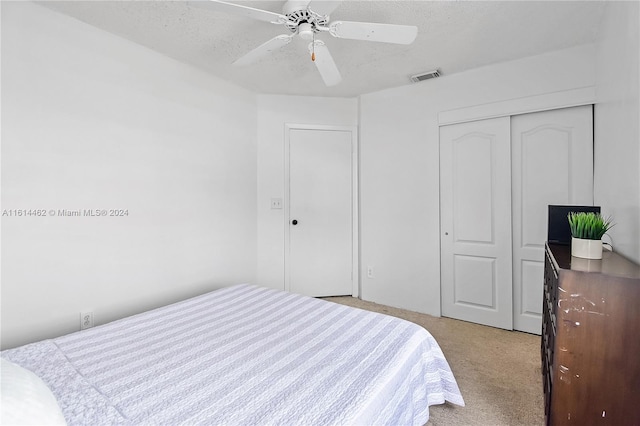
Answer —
294 222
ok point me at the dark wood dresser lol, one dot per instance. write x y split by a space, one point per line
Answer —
590 339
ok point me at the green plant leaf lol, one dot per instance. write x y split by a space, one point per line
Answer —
588 225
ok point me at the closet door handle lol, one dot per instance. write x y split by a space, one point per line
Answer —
294 222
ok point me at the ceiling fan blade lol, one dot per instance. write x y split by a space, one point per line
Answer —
264 49
239 10
386 33
325 64
324 7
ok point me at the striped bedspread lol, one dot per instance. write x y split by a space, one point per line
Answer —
245 355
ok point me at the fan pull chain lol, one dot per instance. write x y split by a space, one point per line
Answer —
313 49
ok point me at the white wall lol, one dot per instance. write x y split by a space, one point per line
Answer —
617 133
399 166
91 121
273 113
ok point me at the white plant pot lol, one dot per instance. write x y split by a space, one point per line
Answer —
587 249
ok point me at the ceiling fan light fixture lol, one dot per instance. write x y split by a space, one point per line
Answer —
305 30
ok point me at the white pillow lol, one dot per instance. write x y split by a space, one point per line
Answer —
26 399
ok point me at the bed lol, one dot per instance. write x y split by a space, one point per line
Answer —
245 355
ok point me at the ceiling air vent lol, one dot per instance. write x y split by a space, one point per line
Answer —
425 76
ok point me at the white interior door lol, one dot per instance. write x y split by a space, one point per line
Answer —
475 215
321 259
552 164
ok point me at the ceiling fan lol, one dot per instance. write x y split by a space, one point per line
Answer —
306 19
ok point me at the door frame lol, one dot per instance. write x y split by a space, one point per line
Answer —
517 291
524 105
355 197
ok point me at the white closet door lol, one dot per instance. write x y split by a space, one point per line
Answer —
475 214
552 163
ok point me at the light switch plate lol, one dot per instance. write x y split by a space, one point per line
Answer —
276 203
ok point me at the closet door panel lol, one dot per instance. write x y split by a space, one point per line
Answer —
476 222
552 163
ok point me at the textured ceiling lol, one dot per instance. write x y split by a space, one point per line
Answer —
453 36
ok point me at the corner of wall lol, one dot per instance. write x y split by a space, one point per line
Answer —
617 114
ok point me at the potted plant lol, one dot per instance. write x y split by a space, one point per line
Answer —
587 230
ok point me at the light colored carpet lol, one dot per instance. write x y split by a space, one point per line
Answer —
498 371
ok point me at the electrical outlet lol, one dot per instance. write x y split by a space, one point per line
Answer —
370 272
86 320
